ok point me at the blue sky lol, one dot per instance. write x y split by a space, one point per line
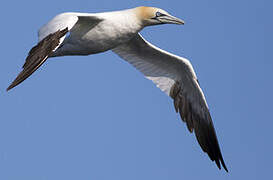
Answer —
96 117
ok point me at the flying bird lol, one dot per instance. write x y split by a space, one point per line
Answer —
90 33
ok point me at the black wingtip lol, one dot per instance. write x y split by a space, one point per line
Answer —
10 86
220 161
225 168
223 164
38 55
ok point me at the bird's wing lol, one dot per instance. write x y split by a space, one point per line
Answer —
50 38
175 76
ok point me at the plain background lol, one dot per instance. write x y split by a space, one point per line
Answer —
96 117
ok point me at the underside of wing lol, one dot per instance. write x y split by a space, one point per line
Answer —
175 76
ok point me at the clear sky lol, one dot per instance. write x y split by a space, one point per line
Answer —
96 117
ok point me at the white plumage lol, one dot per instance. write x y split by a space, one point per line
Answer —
91 33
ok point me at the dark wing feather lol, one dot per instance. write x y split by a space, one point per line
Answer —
38 55
200 122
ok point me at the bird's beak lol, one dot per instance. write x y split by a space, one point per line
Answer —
168 19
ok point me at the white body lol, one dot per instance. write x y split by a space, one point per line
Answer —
89 37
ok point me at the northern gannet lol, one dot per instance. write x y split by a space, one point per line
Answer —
89 33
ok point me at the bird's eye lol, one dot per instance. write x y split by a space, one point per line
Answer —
157 14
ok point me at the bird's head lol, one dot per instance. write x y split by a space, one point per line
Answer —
154 16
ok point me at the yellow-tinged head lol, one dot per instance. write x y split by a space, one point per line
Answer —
153 16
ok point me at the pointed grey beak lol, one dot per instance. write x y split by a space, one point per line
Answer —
168 19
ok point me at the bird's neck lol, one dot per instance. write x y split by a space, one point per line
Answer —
128 19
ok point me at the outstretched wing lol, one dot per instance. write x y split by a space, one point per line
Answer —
38 55
51 36
175 76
